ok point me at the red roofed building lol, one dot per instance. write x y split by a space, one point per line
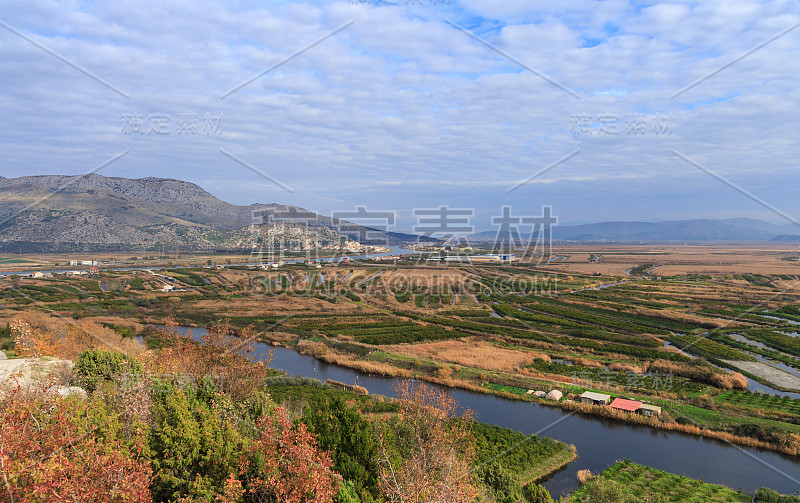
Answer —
624 404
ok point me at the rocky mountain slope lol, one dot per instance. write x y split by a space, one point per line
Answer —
94 212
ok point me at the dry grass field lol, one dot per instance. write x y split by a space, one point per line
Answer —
471 352
682 259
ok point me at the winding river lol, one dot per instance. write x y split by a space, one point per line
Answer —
600 442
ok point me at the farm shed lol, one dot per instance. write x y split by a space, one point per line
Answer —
625 404
649 410
593 398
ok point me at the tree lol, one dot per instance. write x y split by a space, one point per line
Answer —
502 486
536 493
223 356
343 431
426 452
195 446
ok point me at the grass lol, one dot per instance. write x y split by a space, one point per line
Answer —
636 482
548 466
16 261
506 389
721 419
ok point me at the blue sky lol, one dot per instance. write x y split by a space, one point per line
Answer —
401 109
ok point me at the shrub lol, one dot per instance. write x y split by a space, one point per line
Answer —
195 447
96 366
343 431
425 454
764 495
285 464
222 356
769 434
104 461
584 476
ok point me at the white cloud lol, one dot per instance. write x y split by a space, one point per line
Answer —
401 108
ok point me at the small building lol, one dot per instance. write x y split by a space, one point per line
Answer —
626 405
554 395
593 398
649 410
499 258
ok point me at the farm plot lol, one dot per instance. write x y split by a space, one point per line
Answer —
769 373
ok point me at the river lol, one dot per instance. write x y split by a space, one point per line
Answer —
600 442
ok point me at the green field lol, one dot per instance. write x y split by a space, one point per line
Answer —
506 389
16 261
759 401
627 482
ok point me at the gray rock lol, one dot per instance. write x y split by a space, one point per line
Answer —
71 390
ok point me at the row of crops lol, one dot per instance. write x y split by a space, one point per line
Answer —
708 348
762 401
390 332
630 380
573 309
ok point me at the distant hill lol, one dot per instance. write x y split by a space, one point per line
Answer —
734 229
94 212
786 238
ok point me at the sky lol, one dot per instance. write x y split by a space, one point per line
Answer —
603 110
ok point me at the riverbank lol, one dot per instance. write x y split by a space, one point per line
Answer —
665 422
550 466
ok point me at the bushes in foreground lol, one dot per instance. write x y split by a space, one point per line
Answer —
56 449
96 366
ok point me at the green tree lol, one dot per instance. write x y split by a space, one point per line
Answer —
502 485
347 493
195 445
343 431
536 493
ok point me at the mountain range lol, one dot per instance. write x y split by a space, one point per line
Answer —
701 230
54 213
